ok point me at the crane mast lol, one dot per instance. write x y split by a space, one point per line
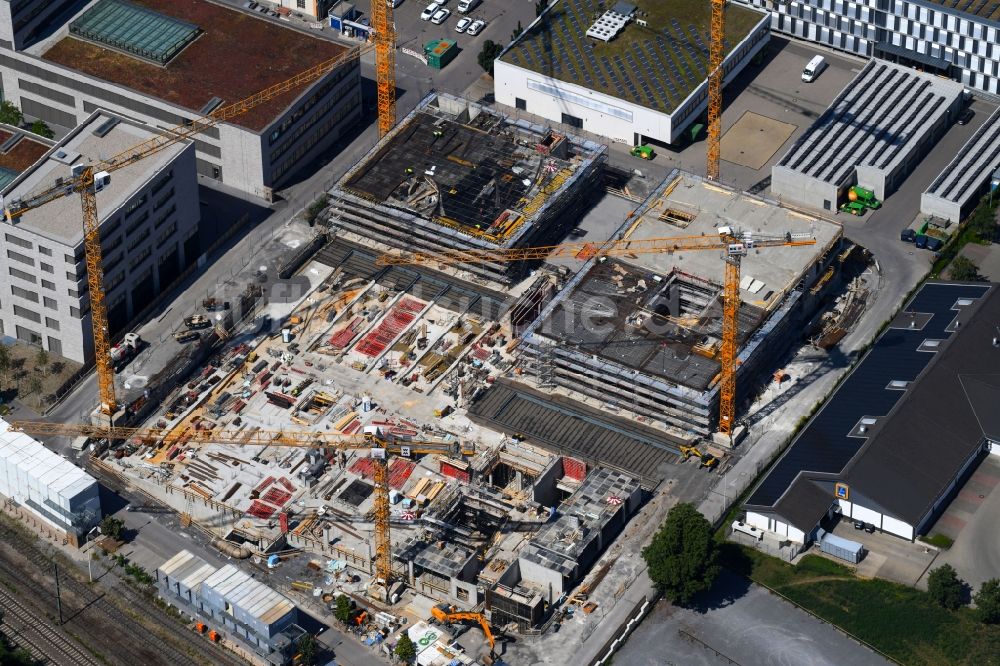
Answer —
716 53
385 64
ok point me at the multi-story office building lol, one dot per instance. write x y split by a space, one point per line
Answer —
149 215
24 21
165 63
955 38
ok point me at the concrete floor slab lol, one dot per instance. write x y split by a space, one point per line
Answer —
754 139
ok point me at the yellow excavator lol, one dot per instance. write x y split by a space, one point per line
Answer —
708 461
447 614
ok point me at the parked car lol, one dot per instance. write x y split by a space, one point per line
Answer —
440 16
907 235
462 24
393 3
476 27
430 11
966 116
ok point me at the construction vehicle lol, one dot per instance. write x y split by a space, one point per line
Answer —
88 179
125 351
197 322
706 460
853 207
379 446
863 196
187 336
733 243
643 152
446 614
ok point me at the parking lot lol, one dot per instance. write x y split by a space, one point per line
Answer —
887 556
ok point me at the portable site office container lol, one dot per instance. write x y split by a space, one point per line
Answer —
845 549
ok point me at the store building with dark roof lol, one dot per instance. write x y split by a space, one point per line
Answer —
905 428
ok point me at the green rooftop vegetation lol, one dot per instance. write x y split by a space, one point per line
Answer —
657 65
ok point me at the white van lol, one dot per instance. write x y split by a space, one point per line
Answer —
813 69
466 6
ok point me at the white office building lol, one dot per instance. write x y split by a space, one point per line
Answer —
149 216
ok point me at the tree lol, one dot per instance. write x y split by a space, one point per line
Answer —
5 361
406 651
35 384
10 114
540 7
945 587
988 601
41 129
682 555
491 51
343 609
112 527
517 31
42 359
963 270
307 650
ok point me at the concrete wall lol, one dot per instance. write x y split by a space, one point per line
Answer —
797 187
611 117
776 526
547 579
57 275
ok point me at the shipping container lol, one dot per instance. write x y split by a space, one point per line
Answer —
845 549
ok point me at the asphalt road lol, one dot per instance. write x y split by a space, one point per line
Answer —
740 623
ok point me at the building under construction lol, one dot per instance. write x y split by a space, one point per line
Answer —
642 333
454 175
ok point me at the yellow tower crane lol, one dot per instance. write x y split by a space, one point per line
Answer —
87 179
380 449
716 54
733 244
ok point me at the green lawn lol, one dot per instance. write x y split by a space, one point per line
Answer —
898 620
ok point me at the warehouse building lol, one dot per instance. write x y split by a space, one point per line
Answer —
454 175
231 601
957 189
632 72
954 38
149 216
55 490
165 62
642 334
897 439
873 134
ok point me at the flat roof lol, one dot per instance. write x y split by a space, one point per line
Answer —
987 9
61 219
656 65
481 176
32 461
19 150
875 122
918 336
236 55
188 569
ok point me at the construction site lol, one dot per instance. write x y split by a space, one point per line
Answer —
460 176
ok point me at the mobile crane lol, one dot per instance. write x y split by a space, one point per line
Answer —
733 244
379 447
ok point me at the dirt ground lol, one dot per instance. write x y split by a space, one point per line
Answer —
17 382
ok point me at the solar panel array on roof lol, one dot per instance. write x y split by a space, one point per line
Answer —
134 29
825 445
964 176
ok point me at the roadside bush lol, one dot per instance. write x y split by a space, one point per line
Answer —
945 587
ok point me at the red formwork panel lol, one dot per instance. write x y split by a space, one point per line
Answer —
400 316
450 470
574 469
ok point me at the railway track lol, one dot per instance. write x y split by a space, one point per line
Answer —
184 647
39 637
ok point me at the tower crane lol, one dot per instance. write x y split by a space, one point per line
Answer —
88 179
733 244
716 53
379 447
